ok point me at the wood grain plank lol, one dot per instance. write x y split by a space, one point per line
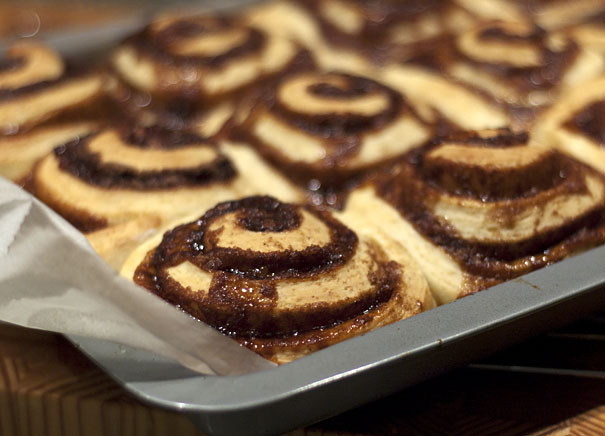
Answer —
47 387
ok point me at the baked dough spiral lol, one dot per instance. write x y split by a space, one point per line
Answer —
324 128
561 14
364 26
35 89
354 35
590 31
383 30
447 104
575 124
518 66
201 58
550 15
282 279
481 208
119 174
583 19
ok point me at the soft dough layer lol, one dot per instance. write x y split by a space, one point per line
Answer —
516 67
200 58
576 123
474 222
119 177
284 280
331 127
36 87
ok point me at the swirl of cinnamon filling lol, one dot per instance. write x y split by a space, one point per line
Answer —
371 23
331 126
201 57
519 66
511 60
117 174
34 86
559 14
575 124
484 208
591 35
366 25
42 104
282 279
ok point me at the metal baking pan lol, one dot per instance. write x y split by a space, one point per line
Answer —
361 369
365 368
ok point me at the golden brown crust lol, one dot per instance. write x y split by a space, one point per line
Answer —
114 243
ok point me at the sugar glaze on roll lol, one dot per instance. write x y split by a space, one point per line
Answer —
481 208
283 279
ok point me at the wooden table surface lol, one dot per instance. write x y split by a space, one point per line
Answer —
48 388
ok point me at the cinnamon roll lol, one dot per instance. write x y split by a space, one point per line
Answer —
202 58
560 14
442 102
548 14
576 123
481 208
355 35
327 128
41 101
372 29
120 174
517 66
590 32
138 108
582 19
282 279
294 21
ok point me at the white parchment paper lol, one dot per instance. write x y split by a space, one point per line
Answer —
51 279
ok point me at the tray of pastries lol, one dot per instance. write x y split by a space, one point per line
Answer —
366 193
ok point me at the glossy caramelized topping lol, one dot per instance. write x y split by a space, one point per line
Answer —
144 158
499 205
259 268
590 121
